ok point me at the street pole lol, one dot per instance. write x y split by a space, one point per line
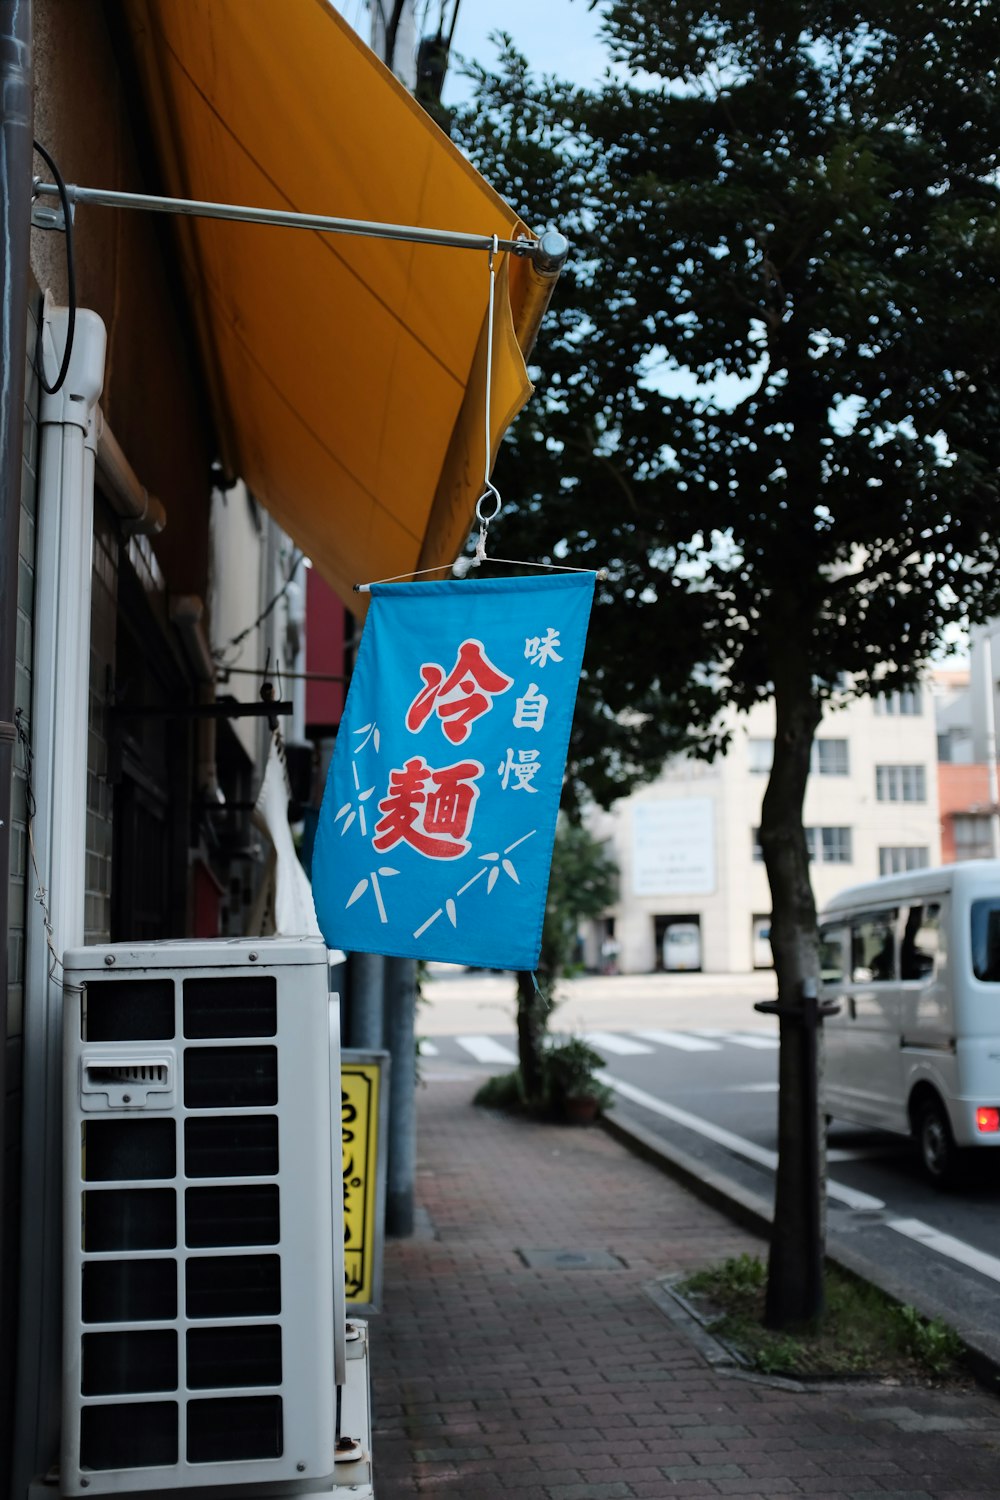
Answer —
401 1040
16 130
366 1002
991 744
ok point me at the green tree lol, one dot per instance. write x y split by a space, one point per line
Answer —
769 398
583 883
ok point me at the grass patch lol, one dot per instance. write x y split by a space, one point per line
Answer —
862 1333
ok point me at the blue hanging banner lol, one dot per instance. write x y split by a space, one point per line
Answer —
435 834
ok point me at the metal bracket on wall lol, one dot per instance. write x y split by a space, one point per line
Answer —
222 708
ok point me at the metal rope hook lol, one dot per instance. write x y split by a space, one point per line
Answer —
490 490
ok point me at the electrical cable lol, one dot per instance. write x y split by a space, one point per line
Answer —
70 285
238 640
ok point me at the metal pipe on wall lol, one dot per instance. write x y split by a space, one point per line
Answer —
140 510
401 1040
16 131
59 727
366 988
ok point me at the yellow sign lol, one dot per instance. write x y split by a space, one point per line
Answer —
360 1090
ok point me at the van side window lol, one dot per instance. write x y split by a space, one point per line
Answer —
873 948
986 939
921 941
833 949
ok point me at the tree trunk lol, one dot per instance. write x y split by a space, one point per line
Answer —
795 1280
532 1013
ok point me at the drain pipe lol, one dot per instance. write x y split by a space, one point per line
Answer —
16 128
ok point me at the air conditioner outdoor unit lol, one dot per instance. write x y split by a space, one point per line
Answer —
204 1328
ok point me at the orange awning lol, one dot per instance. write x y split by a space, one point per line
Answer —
347 373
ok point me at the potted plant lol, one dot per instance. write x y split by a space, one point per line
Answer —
573 1090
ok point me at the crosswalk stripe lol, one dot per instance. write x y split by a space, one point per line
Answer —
750 1039
427 1049
486 1050
610 1041
684 1041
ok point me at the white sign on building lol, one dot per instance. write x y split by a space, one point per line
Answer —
673 847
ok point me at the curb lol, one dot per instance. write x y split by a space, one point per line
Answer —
981 1353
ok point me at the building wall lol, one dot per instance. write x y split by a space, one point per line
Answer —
685 845
963 792
153 394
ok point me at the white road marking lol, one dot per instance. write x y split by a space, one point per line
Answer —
735 1143
684 1041
947 1244
486 1050
427 1049
752 1088
610 1041
752 1039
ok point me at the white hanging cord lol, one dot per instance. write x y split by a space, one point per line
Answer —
490 492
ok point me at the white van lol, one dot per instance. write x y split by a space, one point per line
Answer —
914 961
681 947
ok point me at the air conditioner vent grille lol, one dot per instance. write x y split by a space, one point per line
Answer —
128 1073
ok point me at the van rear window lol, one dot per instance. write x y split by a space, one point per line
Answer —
986 939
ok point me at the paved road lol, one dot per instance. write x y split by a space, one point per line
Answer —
457 1001
710 1091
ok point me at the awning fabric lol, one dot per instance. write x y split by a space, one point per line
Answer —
348 374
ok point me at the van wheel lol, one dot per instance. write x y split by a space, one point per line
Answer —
940 1157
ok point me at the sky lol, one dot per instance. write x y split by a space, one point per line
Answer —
556 36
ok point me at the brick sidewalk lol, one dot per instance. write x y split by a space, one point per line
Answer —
492 1378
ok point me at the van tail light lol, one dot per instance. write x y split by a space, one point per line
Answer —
987 1121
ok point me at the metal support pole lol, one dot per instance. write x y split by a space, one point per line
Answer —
15 239
197 208
989 704
366 988
401 1040
813 1183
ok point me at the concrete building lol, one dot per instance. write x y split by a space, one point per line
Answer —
966 706
687 850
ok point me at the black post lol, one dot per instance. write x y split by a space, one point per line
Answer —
813 1185
16 127
401 1040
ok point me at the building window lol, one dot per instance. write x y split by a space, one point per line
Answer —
900 784
955 746
907 703
829 758
973 836
829 846
825 846
760 753
897 859
834 845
